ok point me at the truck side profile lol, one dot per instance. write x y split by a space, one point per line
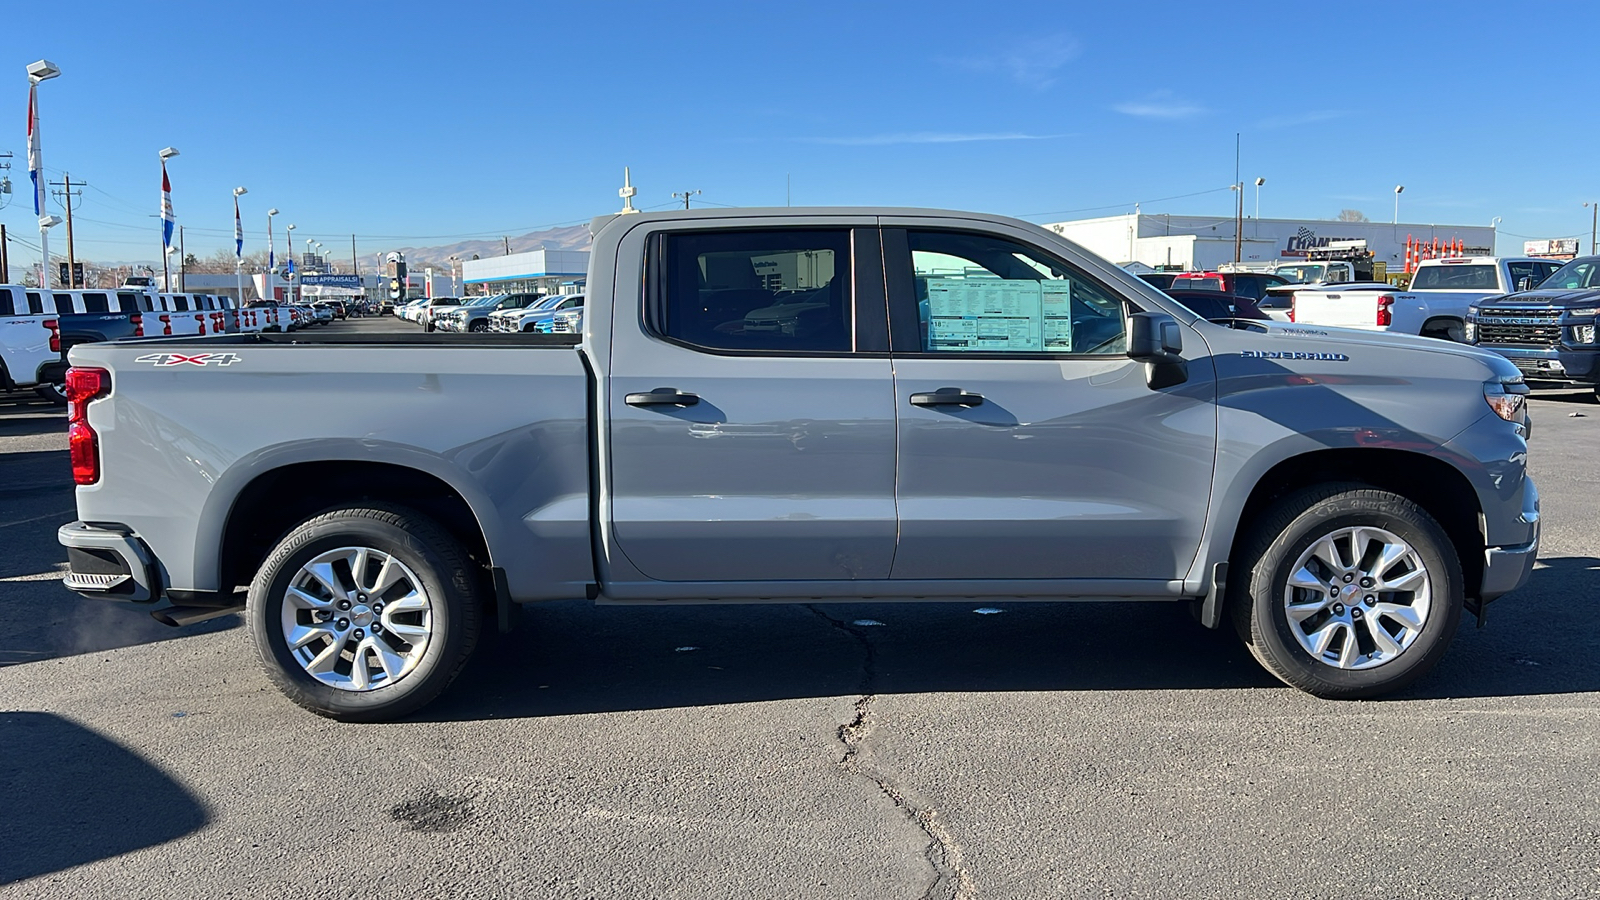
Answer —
787 405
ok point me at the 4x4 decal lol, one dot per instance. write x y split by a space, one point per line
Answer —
195 359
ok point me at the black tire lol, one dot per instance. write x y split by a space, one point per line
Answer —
55 393
422 545
479 326
1275 543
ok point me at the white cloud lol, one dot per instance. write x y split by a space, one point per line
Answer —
1033 63
1160 105
929 137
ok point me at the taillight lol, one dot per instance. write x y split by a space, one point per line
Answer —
1291 309
201 321
138 325
55 334
1385 313
83 444
166 324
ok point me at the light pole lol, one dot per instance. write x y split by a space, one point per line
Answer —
272 263
453 282
167 219
1398 190
1259 183
238 242
288 247
1594 224
43 70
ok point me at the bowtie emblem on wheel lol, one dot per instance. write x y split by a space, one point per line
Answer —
196 359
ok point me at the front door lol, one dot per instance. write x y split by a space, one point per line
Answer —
1030 446
751 419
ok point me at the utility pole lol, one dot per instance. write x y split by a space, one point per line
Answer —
1594 225
66 194
508 244
355 264
685 195
1238 219
183 264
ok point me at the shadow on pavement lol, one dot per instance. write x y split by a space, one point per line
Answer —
71 796
31 424
568 658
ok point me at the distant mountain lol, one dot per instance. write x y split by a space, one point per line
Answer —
571 237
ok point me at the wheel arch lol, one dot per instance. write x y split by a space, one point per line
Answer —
1432 483
274 499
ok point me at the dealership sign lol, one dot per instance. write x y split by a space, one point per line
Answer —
1564 248
343 281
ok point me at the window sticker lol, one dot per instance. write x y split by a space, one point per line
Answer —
992 314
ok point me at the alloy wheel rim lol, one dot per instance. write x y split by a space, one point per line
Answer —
357 619
1358 597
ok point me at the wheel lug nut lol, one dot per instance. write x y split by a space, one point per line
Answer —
344 604
343 624
360 634
1338 609
376 628
1355 612
1366 582
1369 600
1333 592
1348 578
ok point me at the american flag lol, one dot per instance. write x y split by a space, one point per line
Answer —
167 218
34 166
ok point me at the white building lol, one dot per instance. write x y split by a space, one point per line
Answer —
1201 243
539 271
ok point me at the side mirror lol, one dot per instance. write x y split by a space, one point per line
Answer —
1525 283
1156 340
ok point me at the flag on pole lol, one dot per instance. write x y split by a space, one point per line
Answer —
238 230
167 218
34 165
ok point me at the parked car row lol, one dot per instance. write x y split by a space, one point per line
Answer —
500 313
38 327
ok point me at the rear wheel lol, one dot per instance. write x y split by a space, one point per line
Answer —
1349 592
479 325
1446 330
55 393
364 614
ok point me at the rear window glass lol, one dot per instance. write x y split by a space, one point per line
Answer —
96 303
128 302
35 303
1455 278
756 290
7 308
180 303
1213 283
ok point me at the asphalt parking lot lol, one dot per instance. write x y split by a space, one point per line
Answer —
869 751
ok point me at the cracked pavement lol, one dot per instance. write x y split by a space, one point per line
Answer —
1049 750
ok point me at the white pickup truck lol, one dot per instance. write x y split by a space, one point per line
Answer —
1436 304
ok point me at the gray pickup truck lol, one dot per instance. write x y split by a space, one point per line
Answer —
781 406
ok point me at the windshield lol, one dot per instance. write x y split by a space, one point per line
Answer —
1301 274
482 301
1455 278
1580 273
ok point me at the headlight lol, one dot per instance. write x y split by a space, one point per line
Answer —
1471 331
1583 334
1508 397
1586 311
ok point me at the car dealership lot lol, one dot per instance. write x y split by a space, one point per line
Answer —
854 750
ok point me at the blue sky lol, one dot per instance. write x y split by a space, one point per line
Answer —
410 123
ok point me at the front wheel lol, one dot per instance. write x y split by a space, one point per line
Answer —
1347 592
478 326
364 614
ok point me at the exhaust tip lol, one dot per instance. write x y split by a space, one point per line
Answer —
179 616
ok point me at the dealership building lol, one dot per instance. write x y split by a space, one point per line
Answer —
535 271
1201 243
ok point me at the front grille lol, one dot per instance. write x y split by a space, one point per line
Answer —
1497 325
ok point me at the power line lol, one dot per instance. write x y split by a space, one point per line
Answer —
1062 212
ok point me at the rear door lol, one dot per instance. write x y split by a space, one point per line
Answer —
750 405
1030 446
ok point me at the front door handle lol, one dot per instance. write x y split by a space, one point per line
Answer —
663 397
946 396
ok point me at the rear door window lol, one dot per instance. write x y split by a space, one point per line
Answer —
754 290
96 303
7 307
35 304
63 303
180 303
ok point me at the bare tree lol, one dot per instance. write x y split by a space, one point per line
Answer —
1352 215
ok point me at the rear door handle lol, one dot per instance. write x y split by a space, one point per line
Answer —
946 396
663 397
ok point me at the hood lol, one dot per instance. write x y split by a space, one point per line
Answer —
1558 298
1325 338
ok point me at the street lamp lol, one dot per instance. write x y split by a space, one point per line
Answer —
43 70
1398 190
1259 183
238 242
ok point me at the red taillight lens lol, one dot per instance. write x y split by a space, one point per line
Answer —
1291 310
166 324
55 334
201 321
138 325
83 445
1385 313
